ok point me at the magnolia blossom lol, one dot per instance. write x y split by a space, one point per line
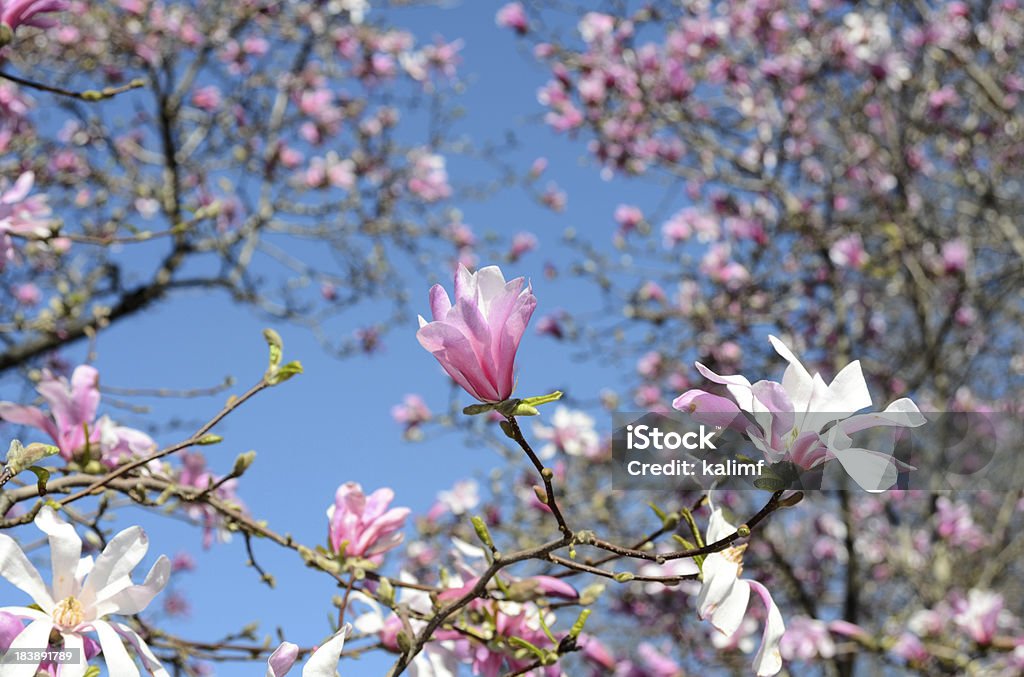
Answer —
571 431
513 16
82 595
724 595
476 339
323 662
14 13
438 658
72 423
21 214
803 420
361 525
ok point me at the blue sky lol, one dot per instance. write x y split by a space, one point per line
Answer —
333 424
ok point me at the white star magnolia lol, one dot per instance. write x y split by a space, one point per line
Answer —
724 596
83 593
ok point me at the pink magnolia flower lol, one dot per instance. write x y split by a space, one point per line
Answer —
954 256
476 339
848 252
806 639
978 615
411 412
571 432
21 214
522 243
195 474
363 526
513 16
628 217
14 13
27 294
72 412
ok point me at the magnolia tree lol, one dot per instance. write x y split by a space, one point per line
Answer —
841 202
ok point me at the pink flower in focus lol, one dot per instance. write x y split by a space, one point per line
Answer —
363 526
73 411
476 339
513 16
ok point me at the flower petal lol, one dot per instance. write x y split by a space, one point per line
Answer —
324 661
74 641
16 568
30 416
282 660
65 551
35 636
135 598
122 554
723 597
768 660
149 659
117 658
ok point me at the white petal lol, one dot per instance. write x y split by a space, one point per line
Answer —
35 636
119 662
873 471
73 640
16 568
135 598
142 649
372 621
324 661
738 386
727 614
24 612
111 571
902 413
65 551
848 391
768 660
797 381
718 527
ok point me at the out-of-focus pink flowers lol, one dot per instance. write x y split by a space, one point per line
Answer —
954 256
476 338
73 412
807 639
571 432
22 215
513 16
27 294
848 252
428 177
411 413
363 526
522 243
195 474
628 217
14 13
978 615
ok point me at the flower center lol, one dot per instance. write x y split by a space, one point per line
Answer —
68 613
735 555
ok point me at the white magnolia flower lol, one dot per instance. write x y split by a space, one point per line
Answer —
805 420
323 662
724 596
83 593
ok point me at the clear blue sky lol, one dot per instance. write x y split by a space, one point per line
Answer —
333 424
